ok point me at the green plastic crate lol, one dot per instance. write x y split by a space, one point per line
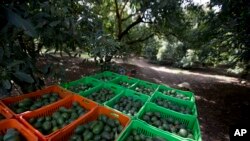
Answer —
146 84
190 121
188 94
145 129
130 80
116 89
175 101
105 74
85 80
135 95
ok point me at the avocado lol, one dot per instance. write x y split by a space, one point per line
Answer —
47 125
60 120
107 128
101 95
31 120
106 135
65 115
75 138
74 116
55 128
63 109
97 128
52 99
103 118
48 118
12 135
38 124
183 132
97 138
20 110
158 139
75 104
79 129
190 136
41 119
137 138
87 135
56 115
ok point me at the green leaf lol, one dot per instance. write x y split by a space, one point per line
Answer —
18 21
45 69
55 23
24 77
6 84
15 63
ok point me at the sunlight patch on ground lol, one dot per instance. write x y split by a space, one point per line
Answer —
157 81
204 99
185 72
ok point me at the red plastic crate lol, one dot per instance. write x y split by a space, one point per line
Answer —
34 95
4 112
12 123
87 104
66 133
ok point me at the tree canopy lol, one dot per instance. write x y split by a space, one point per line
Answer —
175 31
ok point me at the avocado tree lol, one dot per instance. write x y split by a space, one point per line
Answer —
220 33
29 26
231 29
132 22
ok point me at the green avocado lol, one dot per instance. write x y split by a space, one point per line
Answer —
79 129
98 128
47 126
60 121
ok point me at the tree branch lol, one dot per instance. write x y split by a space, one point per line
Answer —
123 7
119 24
139 19
140 39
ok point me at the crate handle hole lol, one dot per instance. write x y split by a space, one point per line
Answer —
86 101
115 115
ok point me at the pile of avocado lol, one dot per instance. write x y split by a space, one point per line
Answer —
124 84
12 135
28 104
173 93
173 106
128 105
168 124
80 87
105 78
58 119
102 95
101 129
144 90
136 136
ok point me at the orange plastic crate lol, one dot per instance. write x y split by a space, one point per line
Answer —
87 104
34 95
12 123
66 133
5 112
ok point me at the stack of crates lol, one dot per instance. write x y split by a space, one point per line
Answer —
116 96
148 94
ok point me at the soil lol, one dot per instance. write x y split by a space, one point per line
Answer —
221 100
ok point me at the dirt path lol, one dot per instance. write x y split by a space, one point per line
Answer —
221 100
